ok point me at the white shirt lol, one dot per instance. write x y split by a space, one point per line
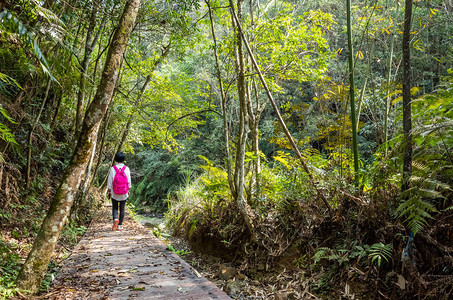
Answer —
112 176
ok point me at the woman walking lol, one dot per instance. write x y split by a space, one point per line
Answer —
118 185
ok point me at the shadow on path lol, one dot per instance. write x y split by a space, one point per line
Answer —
127 264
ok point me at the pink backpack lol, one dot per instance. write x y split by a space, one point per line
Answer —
120 182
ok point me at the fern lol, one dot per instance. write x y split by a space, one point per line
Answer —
379 252
417 212
12 25
320 254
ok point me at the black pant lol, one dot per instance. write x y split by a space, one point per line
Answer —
115 205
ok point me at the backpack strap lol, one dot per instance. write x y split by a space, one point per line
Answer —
118 170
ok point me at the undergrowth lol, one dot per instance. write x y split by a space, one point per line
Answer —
357 251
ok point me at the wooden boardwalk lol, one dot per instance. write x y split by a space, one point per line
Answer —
127 264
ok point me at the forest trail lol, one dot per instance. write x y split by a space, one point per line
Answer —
127 264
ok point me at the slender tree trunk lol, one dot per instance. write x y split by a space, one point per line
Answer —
223 105
89 46
104 127
351 94
254 115
35 266
55 115
277 112
254 128
239 173
362 93
407 114
30 136
389 76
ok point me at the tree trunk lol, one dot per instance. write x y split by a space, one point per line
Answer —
223 105
89 45
254 115
351 94
55 115
30 137
389 76
254 130
407 115
277 112
239 174
35 266
101 147
362 93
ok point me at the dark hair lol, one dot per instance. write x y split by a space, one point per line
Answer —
120 157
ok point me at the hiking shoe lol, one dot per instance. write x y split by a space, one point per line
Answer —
120 227
115 225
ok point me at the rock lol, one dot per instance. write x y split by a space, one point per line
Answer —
211 260
226 273
281 296
233 288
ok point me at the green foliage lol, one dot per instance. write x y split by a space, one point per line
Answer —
379 252
180 253
72 233
11 25
215 180
432 166
5 132
294 47
8 80
9 268
160 175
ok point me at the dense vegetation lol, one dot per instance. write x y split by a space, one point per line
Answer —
240 124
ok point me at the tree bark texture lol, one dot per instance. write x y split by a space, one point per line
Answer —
35 266
407 114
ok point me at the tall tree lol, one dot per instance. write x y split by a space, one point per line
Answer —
407 114
90 42
351 94
389 76
239 172
223 102
241 35
35 266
